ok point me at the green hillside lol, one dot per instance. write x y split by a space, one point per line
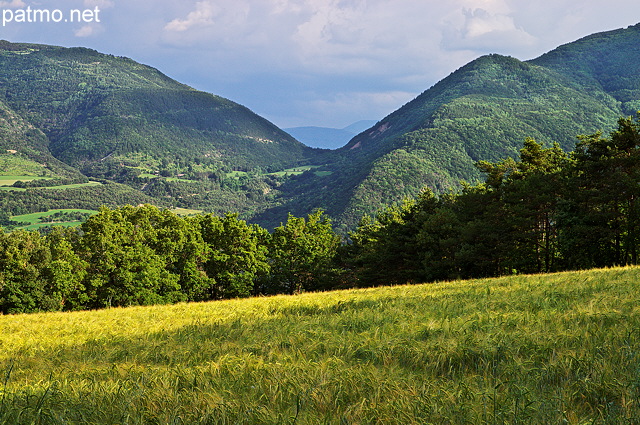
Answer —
76 113
92 106
484 111
560 348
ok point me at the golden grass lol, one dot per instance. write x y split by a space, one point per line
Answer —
561 348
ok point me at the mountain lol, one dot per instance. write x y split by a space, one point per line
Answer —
483 111
73 113
69 115
326 137
92 106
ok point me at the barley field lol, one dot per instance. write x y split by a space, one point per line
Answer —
545 349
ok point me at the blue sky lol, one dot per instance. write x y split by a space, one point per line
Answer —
317 62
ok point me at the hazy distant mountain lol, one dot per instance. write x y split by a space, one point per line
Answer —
328 138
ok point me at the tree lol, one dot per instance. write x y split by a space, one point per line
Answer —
129 258
64 272
301 254
600 224
235 259
22 256
528 190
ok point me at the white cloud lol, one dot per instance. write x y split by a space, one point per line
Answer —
335 60
102 4
483 30
13 4
203 15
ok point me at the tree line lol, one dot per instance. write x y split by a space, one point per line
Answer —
545 211
144 255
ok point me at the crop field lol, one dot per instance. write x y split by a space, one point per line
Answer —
545 349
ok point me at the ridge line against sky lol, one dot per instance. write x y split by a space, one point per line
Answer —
318 62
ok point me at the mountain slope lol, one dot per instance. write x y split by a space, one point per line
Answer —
77 113
91 106
74 113
484 111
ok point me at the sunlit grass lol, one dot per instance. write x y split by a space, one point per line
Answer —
561 348
10 180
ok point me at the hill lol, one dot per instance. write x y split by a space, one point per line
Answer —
75 113
560 348
484 111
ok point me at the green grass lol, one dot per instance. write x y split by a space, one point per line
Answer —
180 179
71 186
293 171
323 173
36 217
18 165
548 349
10 180
236 174
38 220
147 176
186 211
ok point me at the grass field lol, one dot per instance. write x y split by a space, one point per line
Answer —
548 349
71 186
38 220
13 163
7 181
186 211
10 180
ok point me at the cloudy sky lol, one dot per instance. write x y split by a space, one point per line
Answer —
313 62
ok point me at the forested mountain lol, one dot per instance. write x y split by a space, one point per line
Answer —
73 113
78 114
484 111
92 106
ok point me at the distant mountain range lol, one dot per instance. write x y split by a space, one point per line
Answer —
326 137
67 115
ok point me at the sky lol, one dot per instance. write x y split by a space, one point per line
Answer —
323 63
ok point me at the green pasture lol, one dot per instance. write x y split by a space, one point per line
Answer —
293 171
186 211
545 349
15 164
38 220
10 180
71 186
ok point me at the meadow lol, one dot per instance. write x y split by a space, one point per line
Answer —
40 219
10 180
542 349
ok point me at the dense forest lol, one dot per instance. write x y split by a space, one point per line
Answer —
543 211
